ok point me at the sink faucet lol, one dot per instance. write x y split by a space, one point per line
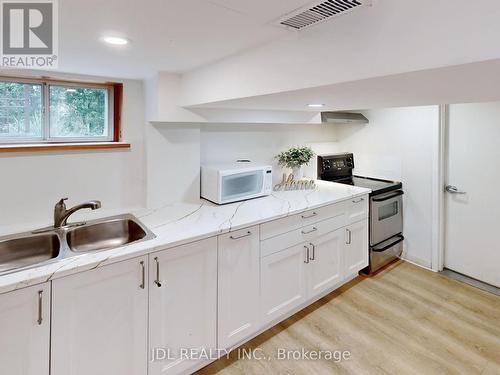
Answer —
61 214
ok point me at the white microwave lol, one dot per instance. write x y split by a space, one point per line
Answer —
235 182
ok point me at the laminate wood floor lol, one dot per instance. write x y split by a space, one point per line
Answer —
405 320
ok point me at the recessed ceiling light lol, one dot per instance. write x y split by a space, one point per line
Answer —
115 40
312 105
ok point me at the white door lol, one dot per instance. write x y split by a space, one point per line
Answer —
325 270
25 331
283 281
238 282
356 248
182 305
100 321
472 222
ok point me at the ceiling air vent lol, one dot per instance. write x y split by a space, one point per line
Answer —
313 14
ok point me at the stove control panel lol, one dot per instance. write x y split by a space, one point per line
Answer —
335 166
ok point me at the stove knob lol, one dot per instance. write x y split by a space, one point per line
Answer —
326 165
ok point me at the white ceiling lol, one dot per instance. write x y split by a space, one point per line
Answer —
165 35
232 54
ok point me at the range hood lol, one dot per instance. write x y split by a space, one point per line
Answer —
343 118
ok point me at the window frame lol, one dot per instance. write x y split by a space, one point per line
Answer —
113 120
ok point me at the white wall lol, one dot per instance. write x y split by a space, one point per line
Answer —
161 96
398 144
261 143
175 152
173 163
453 84
31 183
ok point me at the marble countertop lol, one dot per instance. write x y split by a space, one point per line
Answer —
180 223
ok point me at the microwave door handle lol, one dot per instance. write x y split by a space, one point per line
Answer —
396 194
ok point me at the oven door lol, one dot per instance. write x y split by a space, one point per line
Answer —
386 216
238 186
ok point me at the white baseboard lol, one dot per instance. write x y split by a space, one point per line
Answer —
418 262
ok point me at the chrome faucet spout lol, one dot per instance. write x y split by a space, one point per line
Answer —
61 214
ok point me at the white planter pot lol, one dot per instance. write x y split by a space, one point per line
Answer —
298 173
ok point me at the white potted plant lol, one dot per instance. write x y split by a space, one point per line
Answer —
295 158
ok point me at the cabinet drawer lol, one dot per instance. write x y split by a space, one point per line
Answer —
357 209
280 226
304 234
322 213
294 222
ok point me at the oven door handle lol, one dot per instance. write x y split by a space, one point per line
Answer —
396 194
400 239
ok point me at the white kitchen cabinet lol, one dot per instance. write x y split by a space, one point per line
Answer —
324 270
357 209
25 331
356 248
238 285
182 304
100 321
301 264
299 273
283 282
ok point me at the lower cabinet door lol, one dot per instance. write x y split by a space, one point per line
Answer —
238 298
283 282
25 331
99 321
325 268
182 307
356 248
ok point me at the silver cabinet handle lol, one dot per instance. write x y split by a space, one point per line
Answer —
358 201
143 275
314 229
307 254
453 190
309 216
157 281
313 252
40 302
242 236
349 236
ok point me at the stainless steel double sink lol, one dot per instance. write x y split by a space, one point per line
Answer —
44 246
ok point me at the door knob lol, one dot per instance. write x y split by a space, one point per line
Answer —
453 190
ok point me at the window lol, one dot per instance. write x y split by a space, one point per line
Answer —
79 112
20 111
45 111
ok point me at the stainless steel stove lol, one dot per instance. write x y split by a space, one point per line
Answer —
386 207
